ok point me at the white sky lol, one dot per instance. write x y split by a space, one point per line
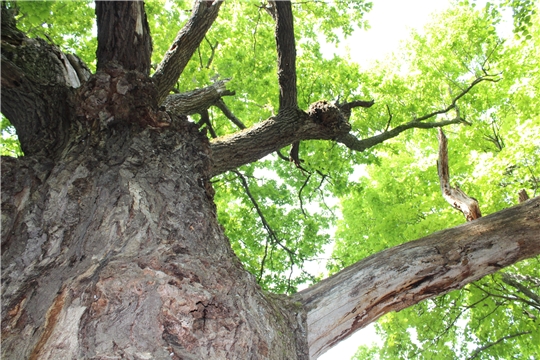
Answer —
391 22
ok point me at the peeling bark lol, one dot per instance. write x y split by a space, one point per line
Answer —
454 195
404 275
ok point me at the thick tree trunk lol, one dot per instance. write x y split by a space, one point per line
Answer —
110 243
114 251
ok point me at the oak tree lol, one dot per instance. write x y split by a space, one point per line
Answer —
111 245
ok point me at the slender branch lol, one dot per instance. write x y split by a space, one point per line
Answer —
265 223
300 194
220 104
487 346
353 143
205 120
511 280
187 41
286 54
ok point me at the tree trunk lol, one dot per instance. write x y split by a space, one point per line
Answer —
110 243
114 250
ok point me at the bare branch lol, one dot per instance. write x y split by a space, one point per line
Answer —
205 120
220 104
271 233
354 143
187 41
447 260
454 195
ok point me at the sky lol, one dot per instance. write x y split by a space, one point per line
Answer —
390 22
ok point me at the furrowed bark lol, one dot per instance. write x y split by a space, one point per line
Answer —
123 35
37 81
204 14
404 275
286 54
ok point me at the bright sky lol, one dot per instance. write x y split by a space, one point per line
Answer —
391 21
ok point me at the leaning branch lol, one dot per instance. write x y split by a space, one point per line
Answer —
187 41
454 195
404 275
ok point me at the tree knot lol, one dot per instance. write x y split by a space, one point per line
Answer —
328 115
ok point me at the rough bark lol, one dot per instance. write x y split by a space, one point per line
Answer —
123 35
204 14
404 275
34 76
110 243
114 250
286 54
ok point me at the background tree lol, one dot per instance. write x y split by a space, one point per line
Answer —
110 241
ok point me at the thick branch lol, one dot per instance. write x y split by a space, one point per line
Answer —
324 122
195 101
404 275
34 76
286 54
123 35
454 195
204 14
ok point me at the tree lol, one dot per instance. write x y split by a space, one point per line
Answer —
111 245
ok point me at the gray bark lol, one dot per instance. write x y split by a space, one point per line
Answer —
110 243
404 275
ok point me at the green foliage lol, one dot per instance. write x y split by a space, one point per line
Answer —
67 24
399 199
9 144
280 218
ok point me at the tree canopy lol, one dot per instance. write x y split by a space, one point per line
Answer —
280 215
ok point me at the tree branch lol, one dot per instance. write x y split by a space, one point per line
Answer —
453 195
404 275
123 35
512 280
487 346
353 143
204 13
34 76
195 101
220 104
286 54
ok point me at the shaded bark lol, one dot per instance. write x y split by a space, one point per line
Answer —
404 275
115 250
34 76
286 54
123 35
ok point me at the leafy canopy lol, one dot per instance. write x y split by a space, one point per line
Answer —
280 218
